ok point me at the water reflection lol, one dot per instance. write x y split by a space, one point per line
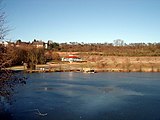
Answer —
119 91
72 96
70 74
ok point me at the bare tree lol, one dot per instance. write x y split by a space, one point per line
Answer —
4 56
3 26
118 42
7 55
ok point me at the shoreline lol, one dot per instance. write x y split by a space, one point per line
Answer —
42 69
99 63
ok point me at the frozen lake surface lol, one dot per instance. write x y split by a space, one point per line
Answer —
80 96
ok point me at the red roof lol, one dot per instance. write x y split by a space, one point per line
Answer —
71 56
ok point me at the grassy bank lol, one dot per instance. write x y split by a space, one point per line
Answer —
103 64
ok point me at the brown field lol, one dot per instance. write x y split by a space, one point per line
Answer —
117 63
111 64
101 62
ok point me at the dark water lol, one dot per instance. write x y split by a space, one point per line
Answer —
79 96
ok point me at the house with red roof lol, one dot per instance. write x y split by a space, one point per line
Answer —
71 58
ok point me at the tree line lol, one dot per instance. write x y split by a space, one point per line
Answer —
134 49
117 48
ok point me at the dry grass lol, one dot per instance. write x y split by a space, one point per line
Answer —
109 63
146 64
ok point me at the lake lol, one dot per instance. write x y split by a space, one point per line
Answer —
80 96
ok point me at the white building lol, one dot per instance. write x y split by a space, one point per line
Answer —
71 58
4 43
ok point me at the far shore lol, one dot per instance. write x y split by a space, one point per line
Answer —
81 67
100 64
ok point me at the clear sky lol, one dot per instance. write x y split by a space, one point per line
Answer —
84 20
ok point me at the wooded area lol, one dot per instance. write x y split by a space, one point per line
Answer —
133 49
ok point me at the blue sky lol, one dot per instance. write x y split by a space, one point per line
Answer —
84 20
